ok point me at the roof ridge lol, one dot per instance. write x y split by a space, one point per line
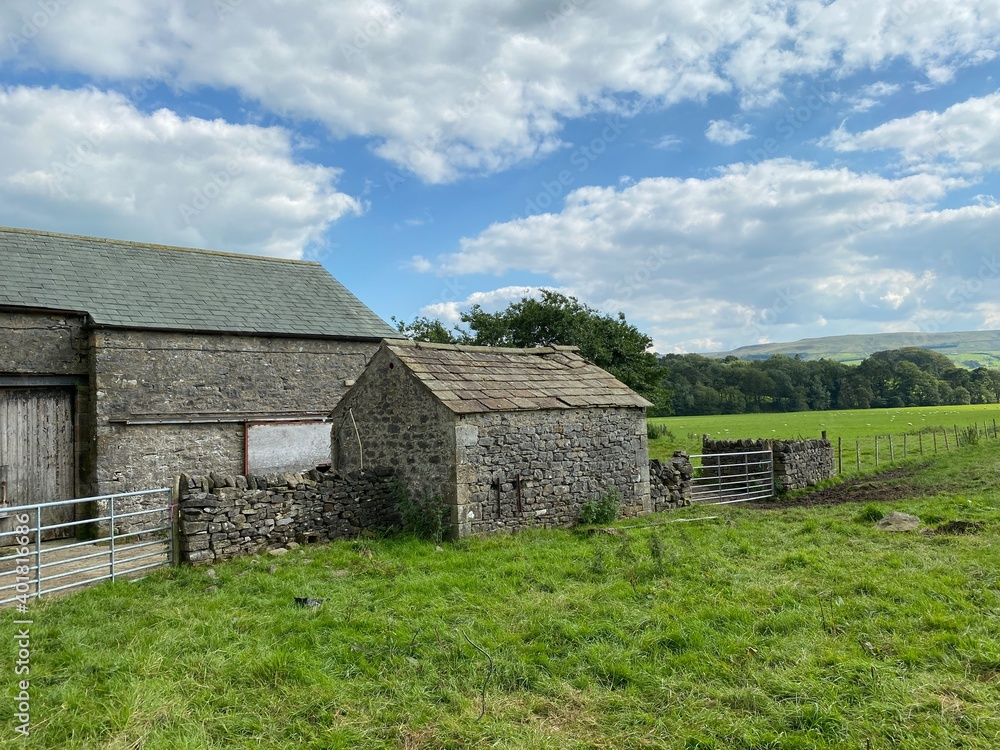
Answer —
155 246
535 350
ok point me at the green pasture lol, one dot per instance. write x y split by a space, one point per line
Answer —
852 426
793 629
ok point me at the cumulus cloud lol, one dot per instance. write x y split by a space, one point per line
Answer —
726 133
450 312
90 160
757 251
497 81
965 137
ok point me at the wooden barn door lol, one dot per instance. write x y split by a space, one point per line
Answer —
37 454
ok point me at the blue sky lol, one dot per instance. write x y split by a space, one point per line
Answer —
724 173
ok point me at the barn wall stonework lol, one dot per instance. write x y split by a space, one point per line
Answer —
181 375
538 468
43 344
401 427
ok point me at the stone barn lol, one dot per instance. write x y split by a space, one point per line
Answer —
510 438
122 363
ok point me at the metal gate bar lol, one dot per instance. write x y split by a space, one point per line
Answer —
724 478
22 572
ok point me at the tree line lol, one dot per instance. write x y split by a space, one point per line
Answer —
899 377
691 384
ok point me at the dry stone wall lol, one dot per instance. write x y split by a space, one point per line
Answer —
798 464
228 516
670 482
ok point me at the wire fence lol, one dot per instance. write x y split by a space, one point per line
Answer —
864 454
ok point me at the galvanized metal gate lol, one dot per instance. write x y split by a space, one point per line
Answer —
32 566
37 453
721 478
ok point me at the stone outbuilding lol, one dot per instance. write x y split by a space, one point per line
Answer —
509 438
123 364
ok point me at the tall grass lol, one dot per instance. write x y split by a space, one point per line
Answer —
758 629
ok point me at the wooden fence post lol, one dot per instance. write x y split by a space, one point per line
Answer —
946 446
876 450
957 442
904 446
920 436
892 453
857 452
840 455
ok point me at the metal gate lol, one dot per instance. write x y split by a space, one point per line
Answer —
37 451
32 566
723 478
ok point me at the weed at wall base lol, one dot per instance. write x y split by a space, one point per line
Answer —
604 509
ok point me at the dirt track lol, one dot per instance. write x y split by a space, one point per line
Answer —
884 487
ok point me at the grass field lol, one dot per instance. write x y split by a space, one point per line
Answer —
801 628
850 425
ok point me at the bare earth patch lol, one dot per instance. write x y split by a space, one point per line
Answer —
885 487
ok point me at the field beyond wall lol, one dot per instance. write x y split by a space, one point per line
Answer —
850 425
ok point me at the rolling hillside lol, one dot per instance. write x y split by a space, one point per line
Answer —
969 349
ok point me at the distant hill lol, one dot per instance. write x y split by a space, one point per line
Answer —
969 349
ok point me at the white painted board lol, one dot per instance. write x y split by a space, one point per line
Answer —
278 447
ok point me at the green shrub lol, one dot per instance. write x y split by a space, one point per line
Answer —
654 431
602 510
426 516
969 436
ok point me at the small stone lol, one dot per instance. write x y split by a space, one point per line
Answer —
272 569
277 552
211 589
293 545
438 548
211 573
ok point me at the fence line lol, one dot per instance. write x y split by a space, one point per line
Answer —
960 437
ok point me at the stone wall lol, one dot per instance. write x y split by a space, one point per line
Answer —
227 516
180 376
400 426
43 344
798 464
670 482
538 468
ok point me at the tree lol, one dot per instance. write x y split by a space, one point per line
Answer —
609 342
425 329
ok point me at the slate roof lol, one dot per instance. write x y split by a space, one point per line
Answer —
474 379
138 285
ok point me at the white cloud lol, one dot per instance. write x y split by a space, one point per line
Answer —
495 81
420 264
965 137
668 143
758 251
450 312
87 161
726 133
872 95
